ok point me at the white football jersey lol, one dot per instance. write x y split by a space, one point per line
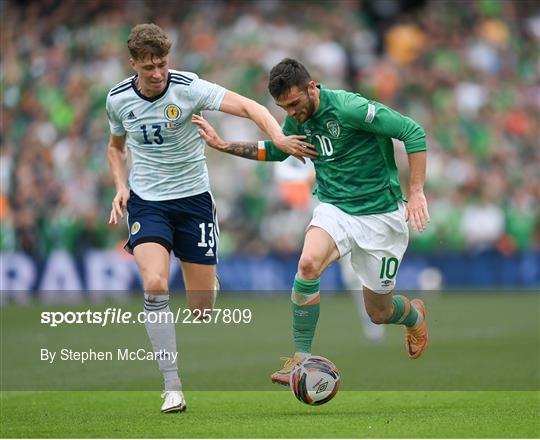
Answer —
167 152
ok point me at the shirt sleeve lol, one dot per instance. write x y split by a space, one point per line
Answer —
115 123
377 118
270 153
206 95
268 150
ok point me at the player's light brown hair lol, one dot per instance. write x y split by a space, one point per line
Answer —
285 75
148 40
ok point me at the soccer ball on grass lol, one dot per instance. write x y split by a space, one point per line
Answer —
315 380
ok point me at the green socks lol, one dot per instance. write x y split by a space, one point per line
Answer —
404 312
305 299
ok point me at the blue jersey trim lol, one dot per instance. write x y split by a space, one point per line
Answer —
117 91
180 82
122 84
181 77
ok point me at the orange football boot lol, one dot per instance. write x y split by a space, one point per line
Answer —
416 339
282 376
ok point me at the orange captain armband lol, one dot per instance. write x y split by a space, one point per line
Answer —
261 151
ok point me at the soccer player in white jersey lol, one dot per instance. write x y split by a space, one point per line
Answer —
168 199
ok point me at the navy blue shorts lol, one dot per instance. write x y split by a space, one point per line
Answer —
187 226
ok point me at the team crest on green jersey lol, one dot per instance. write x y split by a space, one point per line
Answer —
333 128
173 112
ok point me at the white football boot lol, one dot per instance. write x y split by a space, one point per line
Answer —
174 402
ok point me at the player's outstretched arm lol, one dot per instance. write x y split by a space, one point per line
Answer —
238 105
417 210
116 152
249 150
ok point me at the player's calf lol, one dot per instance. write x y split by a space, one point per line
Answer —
305 299
379 316
411 314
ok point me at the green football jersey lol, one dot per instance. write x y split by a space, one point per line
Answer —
356 169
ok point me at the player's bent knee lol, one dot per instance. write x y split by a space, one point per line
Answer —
155 283
309 268
201 304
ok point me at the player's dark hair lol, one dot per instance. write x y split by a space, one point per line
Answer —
285 75
148 40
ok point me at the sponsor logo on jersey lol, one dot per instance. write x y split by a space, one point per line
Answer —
172 125
135 227
131 115
173 112
307 132
333 128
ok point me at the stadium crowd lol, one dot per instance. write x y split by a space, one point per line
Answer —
466 70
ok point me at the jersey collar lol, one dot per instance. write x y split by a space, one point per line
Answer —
153 98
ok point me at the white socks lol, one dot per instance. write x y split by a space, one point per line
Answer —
161 331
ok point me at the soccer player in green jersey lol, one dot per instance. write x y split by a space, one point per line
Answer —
362 211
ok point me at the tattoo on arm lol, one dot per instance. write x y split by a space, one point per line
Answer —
248 150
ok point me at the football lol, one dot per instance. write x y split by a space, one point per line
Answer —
315 380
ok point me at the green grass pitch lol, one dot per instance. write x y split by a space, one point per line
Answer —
272 414
479 377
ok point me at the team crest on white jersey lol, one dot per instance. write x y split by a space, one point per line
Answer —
173 112
135 227
333 128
